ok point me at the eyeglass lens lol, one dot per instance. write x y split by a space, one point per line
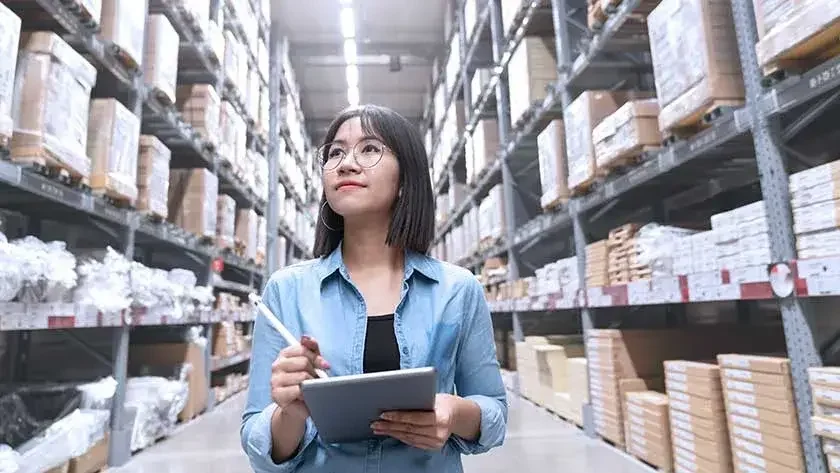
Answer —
367 152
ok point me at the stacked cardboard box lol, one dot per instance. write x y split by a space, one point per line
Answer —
485 145
689 84
160 65
533 68
541 363
597 264
225 221
233 148
696 253
160 355
261 240
815 197
9 41
743 238
764 430
825 386
236 63
153 177
124 25
648 429
559 277
551 145
625 134
792 31
621 246
200 106
112 144
51 104
192 200
246 233
699 429
581 118
578 385
491 217
595 14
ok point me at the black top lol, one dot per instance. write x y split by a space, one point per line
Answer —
381 350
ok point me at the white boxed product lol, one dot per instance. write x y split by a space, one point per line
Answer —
815 176
723 219
819 244
822 216
753 211
160 65
199 10
753 227
124 24
823 192
551 151
9 41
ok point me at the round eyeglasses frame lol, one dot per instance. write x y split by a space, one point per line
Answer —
358 153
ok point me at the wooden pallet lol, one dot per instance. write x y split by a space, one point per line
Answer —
107 188
626 160
596 16
44 163
556 203
152 216
806 55
124 58
163 98
584 187
698 121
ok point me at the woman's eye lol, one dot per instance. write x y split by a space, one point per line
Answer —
369 148
335 153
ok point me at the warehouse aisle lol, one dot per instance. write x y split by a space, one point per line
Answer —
536 442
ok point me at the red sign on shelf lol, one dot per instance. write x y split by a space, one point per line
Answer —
218 265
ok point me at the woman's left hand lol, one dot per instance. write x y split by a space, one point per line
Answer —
426 430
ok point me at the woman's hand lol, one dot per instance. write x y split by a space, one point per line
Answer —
293 366
426 430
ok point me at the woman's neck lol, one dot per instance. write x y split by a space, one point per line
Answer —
364 248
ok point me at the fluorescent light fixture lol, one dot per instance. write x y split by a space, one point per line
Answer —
353 96
352 73
346 3
350 52
348 23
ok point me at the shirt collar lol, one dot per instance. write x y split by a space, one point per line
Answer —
414 261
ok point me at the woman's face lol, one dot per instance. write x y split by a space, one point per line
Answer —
351 185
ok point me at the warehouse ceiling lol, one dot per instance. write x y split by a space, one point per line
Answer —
396 42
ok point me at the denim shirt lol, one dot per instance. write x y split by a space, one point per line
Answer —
442 320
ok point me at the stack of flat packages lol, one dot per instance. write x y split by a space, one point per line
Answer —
225 221
200 106
815 198
232 148
597 264
153 177
551 144
160 66
625 134
647 428
578 386
246 233
695 60
581 118
192 201
540 361
552 369
9 41
113 141
764 430
124 26
825 385
621 246
533 68
51 104
698 417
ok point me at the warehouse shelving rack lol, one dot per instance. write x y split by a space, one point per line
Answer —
745 153
39 197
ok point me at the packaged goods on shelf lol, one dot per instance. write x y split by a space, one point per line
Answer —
491 216
157 356
192 200
246 232
234 133
34 271
597 264
51 104
440 105
696 65
473 231
200 106
814 196
262 235
742 237
153 177
805 33
112 144
157 402
533 68
291 212
262 61
252 96
825 386
160 65
234 56
583 115
626 134
216 39
698 419
199 12
648 428
578 385
485 144
656 250
225 221
551 144
764 430
441 208
9 42
480 78
541 363
622 245
123 25
559 277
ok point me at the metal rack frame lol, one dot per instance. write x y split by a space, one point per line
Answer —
749 142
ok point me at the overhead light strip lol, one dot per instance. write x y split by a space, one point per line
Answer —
347 20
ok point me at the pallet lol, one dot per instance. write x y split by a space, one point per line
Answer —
124 58
665 469
698 121
103 186
50 167
164 99
584 187
152 216
627 160
556 203
806 55
527 115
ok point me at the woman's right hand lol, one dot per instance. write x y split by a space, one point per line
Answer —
293 366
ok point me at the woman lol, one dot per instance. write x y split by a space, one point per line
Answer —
374 301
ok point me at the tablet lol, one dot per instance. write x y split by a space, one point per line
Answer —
343 407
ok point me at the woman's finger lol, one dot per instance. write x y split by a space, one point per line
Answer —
401 427
294 364
413 440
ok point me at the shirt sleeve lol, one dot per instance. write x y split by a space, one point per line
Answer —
255 430
477 373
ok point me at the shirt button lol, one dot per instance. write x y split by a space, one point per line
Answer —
405 351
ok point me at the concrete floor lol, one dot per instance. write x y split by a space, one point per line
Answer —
536 441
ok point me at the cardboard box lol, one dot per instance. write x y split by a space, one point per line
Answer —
781 392
225 221
823 192
123 25
160 65
821 216
51 104
688 462
533 68
551 143
695 405
9 41
581 118
92 461
113 144
769 13
246 232
233 148
192 200
788 456
804 33
814 177
485 144
688 85
762 364
153 177
764 428
627 132
786 420
171 354
712 450
200 106
756 377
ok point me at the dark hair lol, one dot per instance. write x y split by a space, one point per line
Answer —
413 221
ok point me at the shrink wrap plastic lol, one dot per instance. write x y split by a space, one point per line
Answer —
153 176
113 139
9 41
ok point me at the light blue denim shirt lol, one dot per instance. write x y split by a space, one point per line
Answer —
442 320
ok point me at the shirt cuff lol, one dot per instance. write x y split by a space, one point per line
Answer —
492 429
260 445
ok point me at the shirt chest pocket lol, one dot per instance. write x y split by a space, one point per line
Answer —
431 339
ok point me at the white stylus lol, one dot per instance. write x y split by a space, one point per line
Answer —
257 302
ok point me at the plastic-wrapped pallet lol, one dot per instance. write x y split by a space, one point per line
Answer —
113 140
200 106
656 246
627 132
153 177
795 30
192 200
532 67
551 144
246 232
235 65
9 41
216 39
582 116
695 60
160 66
51 104
485 143
225 221
234 133
199 10
261 239
124 25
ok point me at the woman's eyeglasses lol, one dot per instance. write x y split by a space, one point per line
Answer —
368 153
